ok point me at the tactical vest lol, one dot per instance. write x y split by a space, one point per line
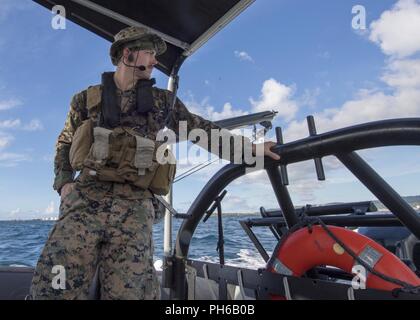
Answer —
112 151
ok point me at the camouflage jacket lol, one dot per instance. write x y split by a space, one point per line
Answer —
147 125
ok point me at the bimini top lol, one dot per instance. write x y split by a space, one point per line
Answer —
185 25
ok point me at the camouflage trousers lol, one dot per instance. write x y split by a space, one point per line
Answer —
113 234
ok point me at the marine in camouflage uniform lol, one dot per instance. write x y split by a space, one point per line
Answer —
108 224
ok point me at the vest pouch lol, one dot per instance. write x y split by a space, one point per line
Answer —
115 155
145 152
100 148
99 151
144 162
145 180
81 144
105 152
129 151
126 168
138 166
165 174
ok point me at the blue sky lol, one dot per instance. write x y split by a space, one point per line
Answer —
298 57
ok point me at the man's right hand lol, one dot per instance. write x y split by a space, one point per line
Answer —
66 189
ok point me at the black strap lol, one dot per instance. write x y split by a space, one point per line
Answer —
110 110
220 241
145 100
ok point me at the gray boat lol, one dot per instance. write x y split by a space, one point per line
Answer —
393 239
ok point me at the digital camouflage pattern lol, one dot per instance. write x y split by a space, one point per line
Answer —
114 234
105 223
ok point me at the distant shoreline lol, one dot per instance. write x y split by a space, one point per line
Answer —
383 210
413 201
53 220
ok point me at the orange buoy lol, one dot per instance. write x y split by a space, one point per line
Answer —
311 247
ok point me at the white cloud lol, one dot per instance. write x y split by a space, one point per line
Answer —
34 125
227 112
10 159
371 105
9 124
397 31
243 56
309 97
276 96
403 74
9 104
206 110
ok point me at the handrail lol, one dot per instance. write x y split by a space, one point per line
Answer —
393 132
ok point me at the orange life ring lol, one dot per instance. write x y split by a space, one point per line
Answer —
307 248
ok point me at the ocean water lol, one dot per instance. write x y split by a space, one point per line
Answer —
21 242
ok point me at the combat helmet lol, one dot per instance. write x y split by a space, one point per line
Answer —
135 37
